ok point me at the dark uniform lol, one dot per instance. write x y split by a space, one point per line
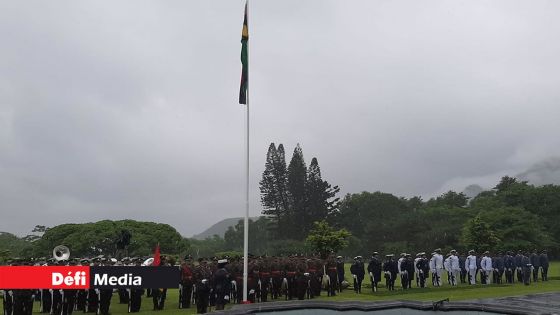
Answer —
374 270
202 296
405 276
92 301
526 269
339 272
333 273
201 274
409 267
390 269
498 265
105 296
186 288
423 266
543 259
276 279
46 301
463 272
358 271
519 266
8 301
535 261
22 302
158 294
135 294
134 299
56 296
221 284
509 267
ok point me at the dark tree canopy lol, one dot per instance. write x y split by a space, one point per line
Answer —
294 197
89 239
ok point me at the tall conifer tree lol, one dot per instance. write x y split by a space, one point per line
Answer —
297 178
319 194
268 183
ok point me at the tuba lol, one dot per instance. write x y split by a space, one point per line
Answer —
61 252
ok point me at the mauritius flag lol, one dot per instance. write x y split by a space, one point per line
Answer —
244 61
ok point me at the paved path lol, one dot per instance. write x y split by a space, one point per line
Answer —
542 303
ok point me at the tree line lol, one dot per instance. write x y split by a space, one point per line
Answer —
513 215
95 238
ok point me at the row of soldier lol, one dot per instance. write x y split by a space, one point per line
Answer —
457 268
211 283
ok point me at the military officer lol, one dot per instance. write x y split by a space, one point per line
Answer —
526 268
486 268
498 266
454 267
509 267
535 261
391 270
358 271
135 294
221 284
423 267
374 270
543 260
470 266
438 264
519 266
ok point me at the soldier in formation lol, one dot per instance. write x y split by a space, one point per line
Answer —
213 283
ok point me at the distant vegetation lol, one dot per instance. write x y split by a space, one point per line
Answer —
99 238
514 215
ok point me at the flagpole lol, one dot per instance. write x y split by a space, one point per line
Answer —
246 222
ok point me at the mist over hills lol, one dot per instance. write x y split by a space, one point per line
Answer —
542 173
545 172
219 228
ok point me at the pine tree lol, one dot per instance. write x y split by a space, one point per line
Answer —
274 195
294 197
319 194
281 180
268 185
297 178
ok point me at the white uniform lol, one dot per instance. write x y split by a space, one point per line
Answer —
416 271
433 270
447 267
455 269
470 266
399 265
438 260
486 266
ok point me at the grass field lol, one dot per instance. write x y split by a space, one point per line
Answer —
462 292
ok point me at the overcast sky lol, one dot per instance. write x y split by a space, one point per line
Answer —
128 109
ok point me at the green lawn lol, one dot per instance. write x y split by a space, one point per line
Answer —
462 292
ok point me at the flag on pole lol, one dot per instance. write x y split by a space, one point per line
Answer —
244 61
157 260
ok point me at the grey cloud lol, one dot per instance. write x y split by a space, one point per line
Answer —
129 110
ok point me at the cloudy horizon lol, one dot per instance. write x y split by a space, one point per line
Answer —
129 111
